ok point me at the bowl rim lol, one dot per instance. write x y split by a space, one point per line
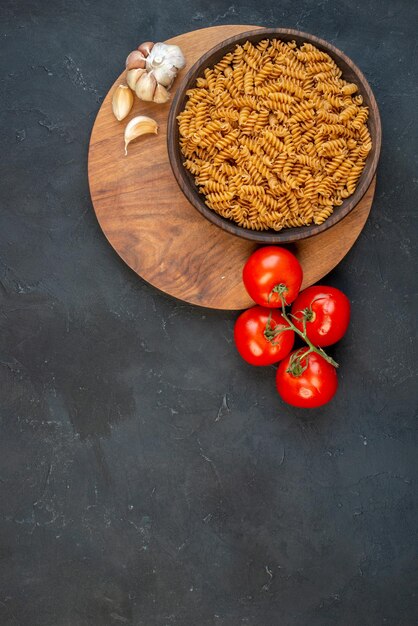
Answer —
287 235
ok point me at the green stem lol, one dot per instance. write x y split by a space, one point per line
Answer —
279 289
296 366
270 333
304 336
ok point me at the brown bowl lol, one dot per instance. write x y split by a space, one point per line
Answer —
185 179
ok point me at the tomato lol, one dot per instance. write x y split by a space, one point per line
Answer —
313 387
327 313
252 331
270 270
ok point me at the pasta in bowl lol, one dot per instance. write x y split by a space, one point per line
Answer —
274 135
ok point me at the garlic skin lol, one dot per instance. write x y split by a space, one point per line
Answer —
161 95
165 60
165 75
138 126
132 76
146 47
165 53
135 60
122 102
145 87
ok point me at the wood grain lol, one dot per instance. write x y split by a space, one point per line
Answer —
159 234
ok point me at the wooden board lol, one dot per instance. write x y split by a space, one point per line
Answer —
158 233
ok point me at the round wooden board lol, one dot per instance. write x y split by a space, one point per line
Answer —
159 234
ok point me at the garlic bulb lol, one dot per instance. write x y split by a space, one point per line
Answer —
165 60
139 126
122 101
161 61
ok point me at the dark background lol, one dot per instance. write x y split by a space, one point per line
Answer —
150 477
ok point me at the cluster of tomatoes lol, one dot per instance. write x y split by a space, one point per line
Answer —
264 335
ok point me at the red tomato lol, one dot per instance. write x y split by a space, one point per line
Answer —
313 387
266 270
327 312
252 331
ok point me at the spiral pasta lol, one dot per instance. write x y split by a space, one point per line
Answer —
274 136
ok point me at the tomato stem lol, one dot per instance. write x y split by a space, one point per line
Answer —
309 315
270 333
305 314
280 289
304 336
296 367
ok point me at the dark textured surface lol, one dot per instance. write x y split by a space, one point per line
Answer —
148 476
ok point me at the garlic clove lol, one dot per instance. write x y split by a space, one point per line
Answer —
135 60
165 75
146 47
132 76
138 126
122 102
145 87
161 94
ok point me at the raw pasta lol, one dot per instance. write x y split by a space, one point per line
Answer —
273 135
